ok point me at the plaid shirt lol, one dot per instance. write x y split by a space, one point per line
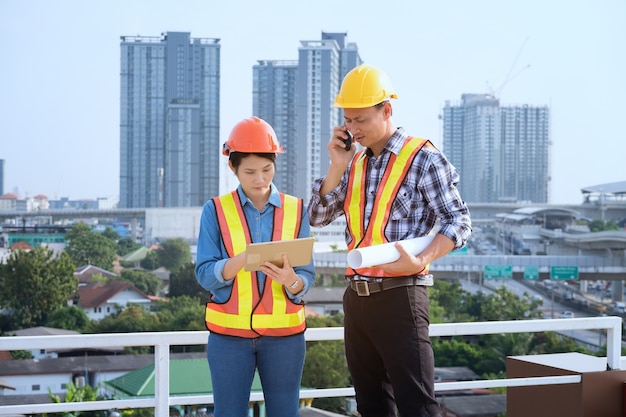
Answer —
427 198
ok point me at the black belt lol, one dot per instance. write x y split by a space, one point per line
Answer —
365 288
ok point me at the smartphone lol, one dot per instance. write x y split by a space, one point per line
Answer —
348 141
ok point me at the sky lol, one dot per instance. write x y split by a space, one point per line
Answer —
60 66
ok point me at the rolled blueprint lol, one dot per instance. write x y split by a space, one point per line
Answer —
386 252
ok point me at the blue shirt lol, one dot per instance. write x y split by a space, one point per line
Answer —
212 254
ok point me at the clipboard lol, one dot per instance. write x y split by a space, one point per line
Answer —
299 252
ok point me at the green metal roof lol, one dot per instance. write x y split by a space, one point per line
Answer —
136 255
187 377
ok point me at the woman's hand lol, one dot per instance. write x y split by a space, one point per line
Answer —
285 276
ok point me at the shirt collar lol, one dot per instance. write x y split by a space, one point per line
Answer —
273 200
394 144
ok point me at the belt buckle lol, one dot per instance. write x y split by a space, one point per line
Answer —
362 288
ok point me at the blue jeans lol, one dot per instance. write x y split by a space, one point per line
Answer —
233 361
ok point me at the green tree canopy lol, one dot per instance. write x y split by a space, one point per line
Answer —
183 282
174 253
603 225
35 284
144 281
111 234
126 245
180 313
69 318
325 365
87 247
151 261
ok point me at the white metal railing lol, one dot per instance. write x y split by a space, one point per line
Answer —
163 340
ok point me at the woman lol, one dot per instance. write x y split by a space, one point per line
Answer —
256 319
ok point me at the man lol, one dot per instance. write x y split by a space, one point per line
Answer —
395 188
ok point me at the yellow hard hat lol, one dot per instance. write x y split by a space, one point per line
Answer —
364 86
252 135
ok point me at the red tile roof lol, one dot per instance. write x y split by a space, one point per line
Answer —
96 294
21 245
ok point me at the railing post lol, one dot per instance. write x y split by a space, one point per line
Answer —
162 379
614 345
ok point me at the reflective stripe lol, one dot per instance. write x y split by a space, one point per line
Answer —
354 197
247 313
374 233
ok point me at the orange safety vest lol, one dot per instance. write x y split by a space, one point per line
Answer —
374 233
248 312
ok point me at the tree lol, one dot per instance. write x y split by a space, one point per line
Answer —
126 245
69 318
77 394
35 284
174 253
602 225
151 261
111 234
133 319
144 281
86 247
183 282
181 313
325 365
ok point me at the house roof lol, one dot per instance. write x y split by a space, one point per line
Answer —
455 373
21 245
187 376
96 294
77 364
136 255
324 295
24 399
86 272
42 331
316 412
617 188
5 385
475 405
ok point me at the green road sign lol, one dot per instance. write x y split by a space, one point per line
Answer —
564 272
498 271
531 272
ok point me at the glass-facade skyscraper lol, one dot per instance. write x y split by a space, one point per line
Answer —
169 120
273 100
502 152
296 98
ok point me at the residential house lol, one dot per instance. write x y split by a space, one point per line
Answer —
326 301
59 353
101 299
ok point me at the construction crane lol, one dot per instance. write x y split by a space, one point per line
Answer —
510 75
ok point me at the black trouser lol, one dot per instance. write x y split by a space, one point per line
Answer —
389 354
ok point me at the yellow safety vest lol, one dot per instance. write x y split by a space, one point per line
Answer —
248 312
374 232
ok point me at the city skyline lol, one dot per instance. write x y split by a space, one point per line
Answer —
60 114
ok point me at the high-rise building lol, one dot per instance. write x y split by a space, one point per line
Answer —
1 176
502 152
169 120
296 98
273 100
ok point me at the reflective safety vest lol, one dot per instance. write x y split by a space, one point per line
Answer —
248 312
374 232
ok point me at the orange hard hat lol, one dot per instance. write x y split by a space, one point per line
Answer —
252 135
